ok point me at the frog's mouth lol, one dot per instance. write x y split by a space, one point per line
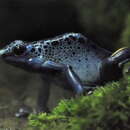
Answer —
29 64
7 57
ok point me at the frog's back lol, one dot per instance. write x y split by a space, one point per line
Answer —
77 51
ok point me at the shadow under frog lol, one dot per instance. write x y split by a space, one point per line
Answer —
71 58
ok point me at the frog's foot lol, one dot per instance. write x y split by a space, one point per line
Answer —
121 64
128 71
40 110
89 88
23 112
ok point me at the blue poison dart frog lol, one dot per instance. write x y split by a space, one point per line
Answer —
82 63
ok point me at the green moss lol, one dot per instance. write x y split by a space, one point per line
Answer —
107 108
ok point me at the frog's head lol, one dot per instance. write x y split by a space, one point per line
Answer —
20 54
112 67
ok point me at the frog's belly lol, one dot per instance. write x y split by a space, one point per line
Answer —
88 72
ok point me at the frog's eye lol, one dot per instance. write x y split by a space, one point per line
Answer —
19 50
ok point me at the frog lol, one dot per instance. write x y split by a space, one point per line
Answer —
73 57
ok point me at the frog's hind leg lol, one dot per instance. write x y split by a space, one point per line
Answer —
121 64
71 76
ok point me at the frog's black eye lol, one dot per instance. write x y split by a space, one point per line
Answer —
19 50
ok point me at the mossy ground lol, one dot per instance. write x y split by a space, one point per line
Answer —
107 108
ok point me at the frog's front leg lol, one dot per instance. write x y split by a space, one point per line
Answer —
44 91
42 100
43 95
68 72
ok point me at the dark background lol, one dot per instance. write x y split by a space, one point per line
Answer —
102 21
34 20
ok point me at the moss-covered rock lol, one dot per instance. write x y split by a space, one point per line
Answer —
106 109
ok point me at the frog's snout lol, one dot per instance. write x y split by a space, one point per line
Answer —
2 52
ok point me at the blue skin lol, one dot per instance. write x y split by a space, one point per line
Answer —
36 64
19 54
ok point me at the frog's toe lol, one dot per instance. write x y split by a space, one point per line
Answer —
23 112
89 88
40 110
127 71
90 92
